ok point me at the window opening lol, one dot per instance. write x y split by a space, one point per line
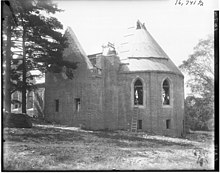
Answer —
138 92
168 124
77 104
30 100
166 93
15 95
139 124
57 105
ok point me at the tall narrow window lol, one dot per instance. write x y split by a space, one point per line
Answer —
166 92
139 124
138 92
168 124
57 105
77 103
15 100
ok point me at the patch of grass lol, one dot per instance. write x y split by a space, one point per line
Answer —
200 137
43 148
141 142
40 134
18 161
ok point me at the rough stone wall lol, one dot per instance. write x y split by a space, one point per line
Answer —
106 101
174 112
93 115
84 86
110 66
153 114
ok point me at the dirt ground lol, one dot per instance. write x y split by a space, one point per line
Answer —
53 147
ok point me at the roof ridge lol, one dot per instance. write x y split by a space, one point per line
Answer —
78 46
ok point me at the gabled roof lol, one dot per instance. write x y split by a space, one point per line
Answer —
75 49
141 52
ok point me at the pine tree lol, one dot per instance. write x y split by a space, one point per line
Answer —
7 27
37 43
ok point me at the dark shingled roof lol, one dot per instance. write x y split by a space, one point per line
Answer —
75 49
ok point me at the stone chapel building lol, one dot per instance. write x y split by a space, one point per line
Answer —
136 87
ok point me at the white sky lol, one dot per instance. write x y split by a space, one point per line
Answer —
177 29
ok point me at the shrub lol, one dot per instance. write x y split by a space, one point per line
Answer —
16 120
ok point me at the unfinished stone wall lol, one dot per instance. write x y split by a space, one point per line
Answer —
106 99
153 113
87 86
67 91
110 66
93 104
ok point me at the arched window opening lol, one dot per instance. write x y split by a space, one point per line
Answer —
138 92
166 92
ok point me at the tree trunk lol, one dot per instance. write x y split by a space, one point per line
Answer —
8 57
24 101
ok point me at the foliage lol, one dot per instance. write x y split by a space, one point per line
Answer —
200 67
198 113
36 43
16 120
199 107
16 77
202 156
43 41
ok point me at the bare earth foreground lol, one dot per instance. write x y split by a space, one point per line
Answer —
53 147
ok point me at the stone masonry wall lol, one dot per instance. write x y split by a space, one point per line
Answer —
153 114
84 86
106 102
110 67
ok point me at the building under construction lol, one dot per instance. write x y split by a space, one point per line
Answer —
134 87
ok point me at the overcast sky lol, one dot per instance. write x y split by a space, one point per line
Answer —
176 28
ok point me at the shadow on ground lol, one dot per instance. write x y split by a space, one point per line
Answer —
58 134
114 136
41 134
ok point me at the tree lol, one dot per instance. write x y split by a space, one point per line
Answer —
36 41
199 107
198 113
7 24
7 95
